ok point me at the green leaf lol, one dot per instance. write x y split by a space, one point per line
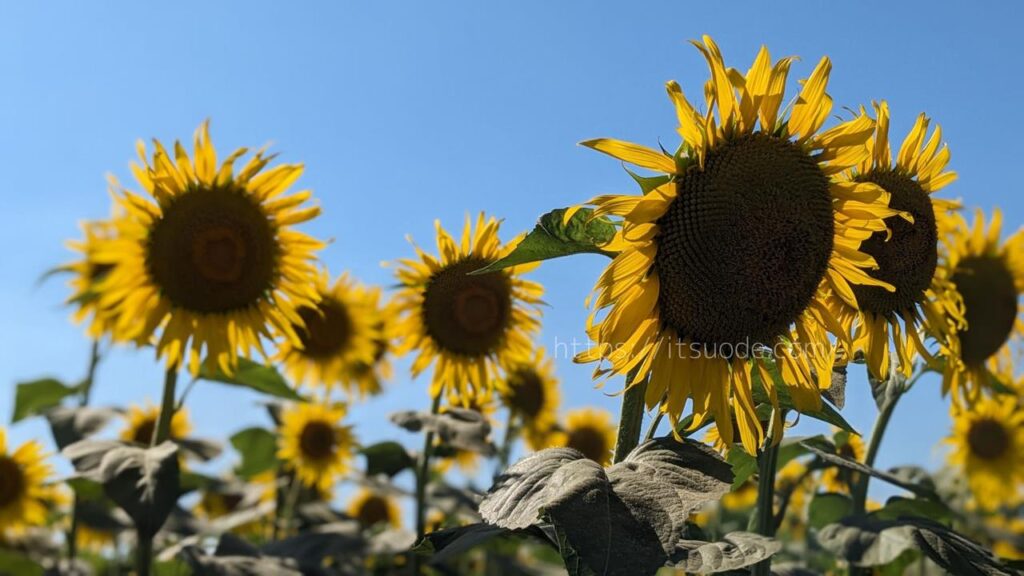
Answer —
825 413
649 183
386 458
12 562
898 507
743 465
35 397
258 448
255 376
828 509
551 238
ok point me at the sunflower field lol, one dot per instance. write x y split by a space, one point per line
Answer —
779 251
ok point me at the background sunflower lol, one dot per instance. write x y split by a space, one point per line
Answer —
315 444
987 443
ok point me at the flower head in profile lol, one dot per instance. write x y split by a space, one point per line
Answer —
207 261
315 444
87 273
737 252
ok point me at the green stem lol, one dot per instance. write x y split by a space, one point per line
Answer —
291 504
767 461
90 375
422 477
162 431
505 451
654 426
143 556
631 419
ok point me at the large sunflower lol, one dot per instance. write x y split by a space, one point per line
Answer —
24 495
315 444
907 254
988 447
212 265
592 432
338 335
530 391
372 510
86 274
740 249
469 324
990 278
141 423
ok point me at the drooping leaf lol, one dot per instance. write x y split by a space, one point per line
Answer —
37 396
553 238
258 449
387 458
238 565
869 542
459 428
141 481
255 376
443 545
69 425
736 550
826 451
202 449
828 508
100 515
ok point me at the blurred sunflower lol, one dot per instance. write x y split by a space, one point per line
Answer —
793 481
592 432
469 324
221 499
213 265
24 495
1007 536
342 331
743 247
94 539
990 278
315 444
370 377
86 274
742 498
988 447
141 423
530 391
837 478
466 460
372 510
907 254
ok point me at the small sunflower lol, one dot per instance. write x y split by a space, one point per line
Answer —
990 278
741 249
336 335
212 265
24 495
466 460
530 391
94 539
988 447
907 254
373 510
141 424
837 478
369 378
592 432
315 444
469 324
86 274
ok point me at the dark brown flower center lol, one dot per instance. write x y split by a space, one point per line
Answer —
328 328
12 481
990 306
465 314
374 510
213 251
526 394
908 258
988 439
143 432
317 440
590 442
744 246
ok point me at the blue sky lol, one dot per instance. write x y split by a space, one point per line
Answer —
404 112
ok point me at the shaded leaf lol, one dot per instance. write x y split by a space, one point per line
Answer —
388 458
391 542
238 565
736 550
142 481
828 508
310 549
258 449
255 376
69 425
897 507
827 451
551 238
459 428
201 448
37 396
443 545
868 542
101 516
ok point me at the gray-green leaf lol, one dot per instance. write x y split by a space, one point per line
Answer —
460 428
736 550
69 425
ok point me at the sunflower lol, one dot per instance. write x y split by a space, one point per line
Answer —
907 254
530 391
372 509
315 444
211 264
990 278
469 324
141 423
369 377
742 498
341 332
86 274
988 447
24 495
739 251
592 432
94 539
837 478
465 460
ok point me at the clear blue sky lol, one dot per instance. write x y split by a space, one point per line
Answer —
406 112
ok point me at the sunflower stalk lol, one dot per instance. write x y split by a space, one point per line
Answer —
161 432
86 390
422 477
632 417
767 461
505 451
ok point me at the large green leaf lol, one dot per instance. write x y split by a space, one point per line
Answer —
37 396
255 376
552 238
258 449
387 458
828 508
12 562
